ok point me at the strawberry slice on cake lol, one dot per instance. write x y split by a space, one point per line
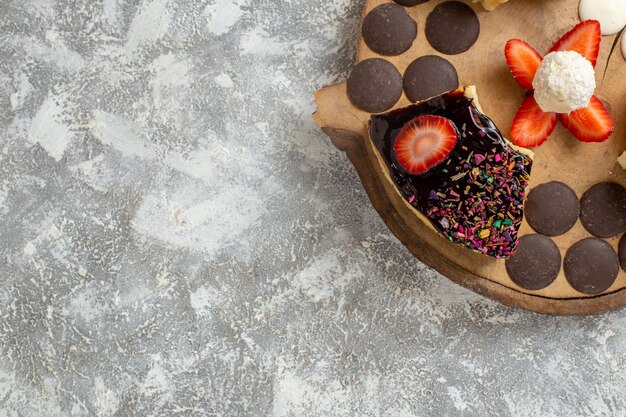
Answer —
424 143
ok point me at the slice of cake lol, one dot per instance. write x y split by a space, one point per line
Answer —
451 164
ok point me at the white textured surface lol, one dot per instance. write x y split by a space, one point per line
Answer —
179 239
564 82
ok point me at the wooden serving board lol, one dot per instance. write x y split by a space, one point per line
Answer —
561 158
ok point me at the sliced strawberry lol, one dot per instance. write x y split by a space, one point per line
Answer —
591 124
531 125
523 62
584 38
424 142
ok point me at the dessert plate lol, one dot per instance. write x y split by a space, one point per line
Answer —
562 158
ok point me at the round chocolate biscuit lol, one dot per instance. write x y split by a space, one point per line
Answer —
621 251
452 27
603 209
429 76
536 262
410 3
552 208
389 30
591 266
374 85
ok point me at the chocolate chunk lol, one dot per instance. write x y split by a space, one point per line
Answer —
591 266
536 262
552 208
429 76
374 85
622 252
409 3
452 27
389 30
603 209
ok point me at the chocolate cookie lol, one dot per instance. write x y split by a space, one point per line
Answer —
536 262
452 27
621 251
430 76
409 3
603 209
374 85
591 266
389 30
552 208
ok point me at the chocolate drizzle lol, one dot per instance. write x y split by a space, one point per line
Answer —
475 197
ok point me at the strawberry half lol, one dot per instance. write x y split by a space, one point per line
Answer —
523 62
584 38
423 143
591 124
531 125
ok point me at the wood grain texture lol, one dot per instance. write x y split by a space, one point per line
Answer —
562 158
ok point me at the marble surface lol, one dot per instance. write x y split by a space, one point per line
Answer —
179 239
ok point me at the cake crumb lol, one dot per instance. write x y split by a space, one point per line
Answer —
489 5
622 160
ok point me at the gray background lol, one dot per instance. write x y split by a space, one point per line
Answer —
179 239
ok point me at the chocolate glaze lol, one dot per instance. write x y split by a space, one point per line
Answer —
475 197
